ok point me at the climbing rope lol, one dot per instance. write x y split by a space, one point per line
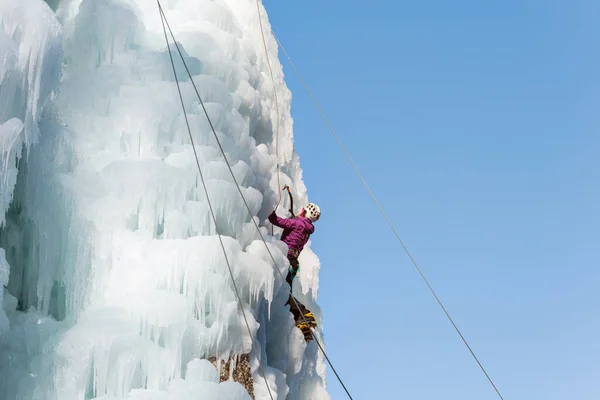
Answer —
240 191
262 33
212 213
386 218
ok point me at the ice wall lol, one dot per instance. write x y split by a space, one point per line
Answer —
118 287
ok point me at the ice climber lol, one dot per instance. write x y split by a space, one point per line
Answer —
296 232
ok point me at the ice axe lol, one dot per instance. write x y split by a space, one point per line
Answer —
291 200
291 209
286 187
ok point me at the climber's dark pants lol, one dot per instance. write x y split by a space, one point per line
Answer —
294 266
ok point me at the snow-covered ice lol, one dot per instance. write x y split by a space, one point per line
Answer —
114 282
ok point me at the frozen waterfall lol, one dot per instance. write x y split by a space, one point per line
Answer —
115 285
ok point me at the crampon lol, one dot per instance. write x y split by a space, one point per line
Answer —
304 318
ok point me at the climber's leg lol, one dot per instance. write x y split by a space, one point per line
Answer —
294 266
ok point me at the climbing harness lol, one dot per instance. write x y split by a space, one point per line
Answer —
246 205
318 107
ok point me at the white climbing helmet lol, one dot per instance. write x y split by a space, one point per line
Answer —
312 212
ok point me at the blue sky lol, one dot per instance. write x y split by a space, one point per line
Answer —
477 126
